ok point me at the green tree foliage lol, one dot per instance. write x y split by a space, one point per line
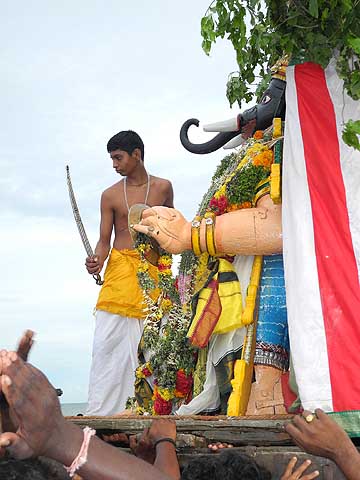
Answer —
261 31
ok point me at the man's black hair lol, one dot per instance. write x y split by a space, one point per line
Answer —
227 465
127 140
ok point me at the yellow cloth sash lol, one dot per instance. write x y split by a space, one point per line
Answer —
121 293
219 305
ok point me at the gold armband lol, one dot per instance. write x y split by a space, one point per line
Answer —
210 218
195 235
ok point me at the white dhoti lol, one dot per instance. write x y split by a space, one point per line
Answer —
114 360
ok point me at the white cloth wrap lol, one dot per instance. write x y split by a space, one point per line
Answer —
114 361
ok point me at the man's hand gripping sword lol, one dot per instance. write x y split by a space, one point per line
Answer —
79 224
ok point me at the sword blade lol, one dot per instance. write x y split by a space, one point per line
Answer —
79 223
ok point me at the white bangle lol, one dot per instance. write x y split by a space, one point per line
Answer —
81 457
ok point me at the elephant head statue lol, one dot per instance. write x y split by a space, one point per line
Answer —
259 117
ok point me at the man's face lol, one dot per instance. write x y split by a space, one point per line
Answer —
123 163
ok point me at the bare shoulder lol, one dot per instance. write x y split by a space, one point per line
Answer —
162 183
112 191
164 189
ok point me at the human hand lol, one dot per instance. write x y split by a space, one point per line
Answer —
291 474
9 422
321 436
93 265
143 447
168 227
162 428
35 406
218 446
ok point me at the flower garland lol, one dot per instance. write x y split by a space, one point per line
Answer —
171 360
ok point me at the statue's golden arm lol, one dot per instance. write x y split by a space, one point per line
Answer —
252 231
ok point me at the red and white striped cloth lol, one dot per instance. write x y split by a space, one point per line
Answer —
321 228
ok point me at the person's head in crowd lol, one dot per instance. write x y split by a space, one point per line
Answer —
227 465
11 469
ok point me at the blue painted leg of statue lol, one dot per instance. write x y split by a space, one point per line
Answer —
272 339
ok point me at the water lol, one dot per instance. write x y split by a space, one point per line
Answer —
72 409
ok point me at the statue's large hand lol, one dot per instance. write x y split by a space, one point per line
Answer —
168 227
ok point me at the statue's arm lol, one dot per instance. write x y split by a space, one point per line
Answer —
252 231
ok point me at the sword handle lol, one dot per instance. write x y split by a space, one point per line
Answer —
97 279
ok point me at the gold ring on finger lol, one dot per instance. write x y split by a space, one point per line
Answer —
309 418
151 229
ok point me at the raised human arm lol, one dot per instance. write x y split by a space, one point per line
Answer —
324 437
251 231
44 431
95 264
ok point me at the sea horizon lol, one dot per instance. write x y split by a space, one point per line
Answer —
73 409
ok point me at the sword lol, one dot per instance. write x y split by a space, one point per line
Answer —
79 224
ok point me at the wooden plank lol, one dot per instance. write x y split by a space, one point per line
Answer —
236 430
263 438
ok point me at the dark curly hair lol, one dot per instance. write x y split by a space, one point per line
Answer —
227 465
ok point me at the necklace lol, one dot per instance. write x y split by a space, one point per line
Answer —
147 191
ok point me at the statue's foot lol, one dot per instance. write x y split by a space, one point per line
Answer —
125 413
266 394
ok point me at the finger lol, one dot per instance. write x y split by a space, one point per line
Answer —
91 266
144 436
213 448
6 439
294 432
149 212
93 270
149 222
5 384
141 228
25 344
307 415
133 442
3 354
320 414
290 467
15 445
300 470
310 476
300 422
219 446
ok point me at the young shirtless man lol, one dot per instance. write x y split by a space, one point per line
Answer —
120 307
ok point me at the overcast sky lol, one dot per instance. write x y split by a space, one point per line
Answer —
74 73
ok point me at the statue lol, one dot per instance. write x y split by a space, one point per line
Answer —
254 231
250 233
